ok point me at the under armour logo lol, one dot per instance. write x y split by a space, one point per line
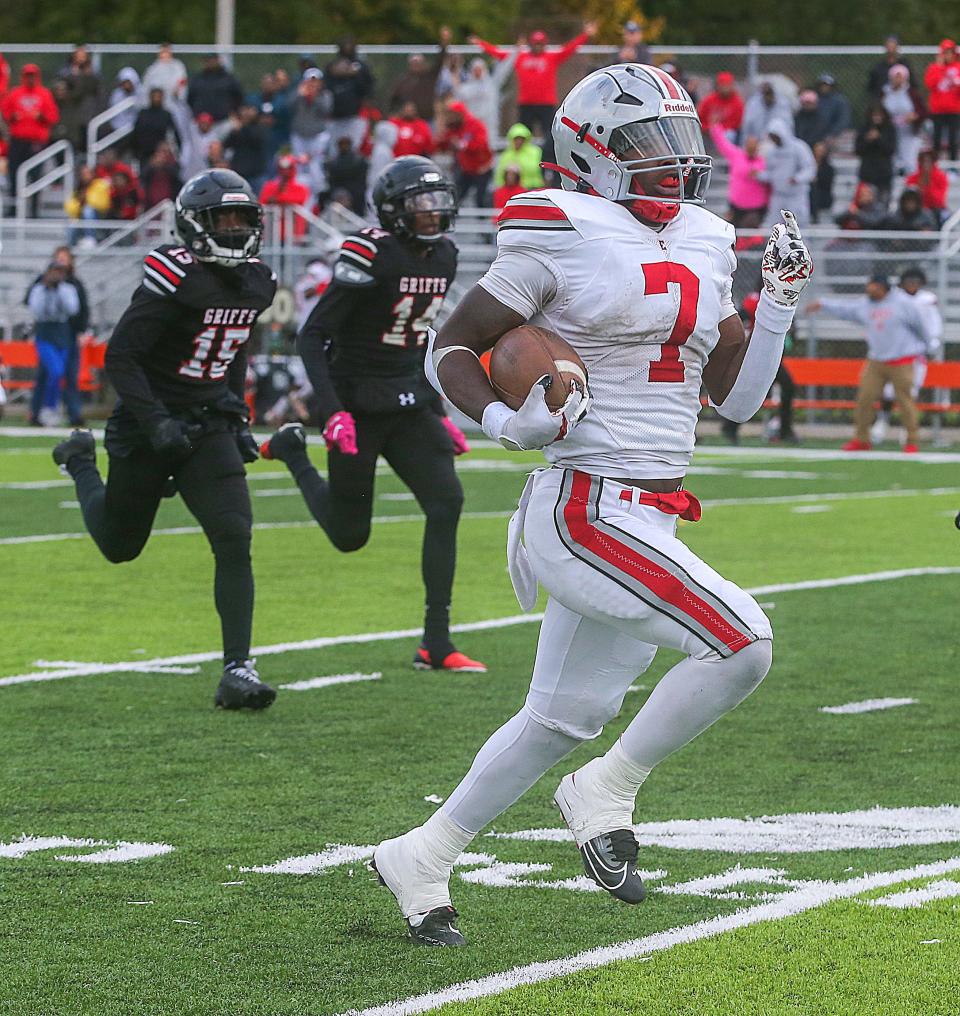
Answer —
407 399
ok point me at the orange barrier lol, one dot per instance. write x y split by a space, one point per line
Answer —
22 355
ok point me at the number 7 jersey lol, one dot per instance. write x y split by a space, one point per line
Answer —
642 308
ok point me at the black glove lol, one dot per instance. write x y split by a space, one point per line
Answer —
168 436
247 443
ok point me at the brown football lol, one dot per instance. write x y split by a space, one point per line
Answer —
523 355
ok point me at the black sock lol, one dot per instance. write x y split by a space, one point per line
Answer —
91 493
436 632
233 596
315 489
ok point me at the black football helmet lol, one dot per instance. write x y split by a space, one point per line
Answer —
412 185
205 205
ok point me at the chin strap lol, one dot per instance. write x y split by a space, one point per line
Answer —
582 184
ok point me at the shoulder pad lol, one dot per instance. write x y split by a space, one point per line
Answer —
363 248
534 220
709 227
166 268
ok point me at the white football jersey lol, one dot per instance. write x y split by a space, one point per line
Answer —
641 307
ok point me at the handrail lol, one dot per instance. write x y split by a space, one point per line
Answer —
163 211
96 145
25 189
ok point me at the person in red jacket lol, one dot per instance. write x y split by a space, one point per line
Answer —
29 111
510 189
932 182
724 106
943 82
4 77
536 69
466 136
414 136
286 190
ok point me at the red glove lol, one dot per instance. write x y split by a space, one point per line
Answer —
341 433
458 437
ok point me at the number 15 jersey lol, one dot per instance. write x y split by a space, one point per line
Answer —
642 308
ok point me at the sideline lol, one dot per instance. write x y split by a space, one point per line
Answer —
60 669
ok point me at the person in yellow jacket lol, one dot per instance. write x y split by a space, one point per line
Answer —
522 153
90 200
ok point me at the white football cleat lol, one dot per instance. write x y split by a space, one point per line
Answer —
421 889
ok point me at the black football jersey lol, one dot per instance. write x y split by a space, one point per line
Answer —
385 294
182 340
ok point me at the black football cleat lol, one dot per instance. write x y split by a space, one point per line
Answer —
241 688
610 861
79 445
437 927
288 440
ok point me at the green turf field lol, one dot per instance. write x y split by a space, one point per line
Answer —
215 861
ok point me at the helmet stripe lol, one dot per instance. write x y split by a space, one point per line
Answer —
590 140
667 82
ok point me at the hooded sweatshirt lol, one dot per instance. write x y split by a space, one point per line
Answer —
526 158
745 190
127 118
790 169
30 110
468 141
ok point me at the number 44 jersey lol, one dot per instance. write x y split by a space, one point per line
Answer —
182 340
641 306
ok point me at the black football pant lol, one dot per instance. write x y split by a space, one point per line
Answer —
419 449
212 482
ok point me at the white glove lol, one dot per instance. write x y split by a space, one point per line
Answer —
534 424
786 266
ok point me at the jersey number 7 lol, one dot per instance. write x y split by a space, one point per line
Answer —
657 277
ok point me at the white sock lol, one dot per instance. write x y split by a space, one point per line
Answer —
443 840
619 774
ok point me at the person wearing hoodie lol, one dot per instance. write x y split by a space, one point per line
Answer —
414 136
128 84
834 106
942 79
30 112
285 190
907 111
53 301
385 137
168 73
876 145
762 107
790 169
466 137
84 93
522 153
748 195
480 92
419 84
153 124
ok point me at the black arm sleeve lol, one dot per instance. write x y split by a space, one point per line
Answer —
237 373
325 324
138 330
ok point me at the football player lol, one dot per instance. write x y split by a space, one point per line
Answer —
177 360
363 348
627 265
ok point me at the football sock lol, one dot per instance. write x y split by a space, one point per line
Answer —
91 493
436 632
443 840
438 562
315 489
233 596
690 697
618 773
512 760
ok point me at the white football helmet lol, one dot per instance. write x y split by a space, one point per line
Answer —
623 122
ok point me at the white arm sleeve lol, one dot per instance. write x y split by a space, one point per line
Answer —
523 280
760 363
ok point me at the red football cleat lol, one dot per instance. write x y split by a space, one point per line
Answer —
455 661
910 449
857 446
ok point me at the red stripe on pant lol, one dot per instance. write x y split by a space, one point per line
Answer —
659 581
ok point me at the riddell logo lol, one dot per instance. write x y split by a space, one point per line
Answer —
680 107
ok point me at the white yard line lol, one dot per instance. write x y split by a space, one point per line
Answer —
867 706
326 682
787 905
145 666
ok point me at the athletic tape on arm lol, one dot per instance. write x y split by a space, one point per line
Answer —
760 363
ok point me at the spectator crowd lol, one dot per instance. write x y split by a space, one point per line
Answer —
317 135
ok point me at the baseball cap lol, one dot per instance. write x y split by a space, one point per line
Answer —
947 44
826 79
286 162
204 118
631 26
725 78
538 36
312 72
30 69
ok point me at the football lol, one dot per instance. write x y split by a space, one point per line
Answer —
525 354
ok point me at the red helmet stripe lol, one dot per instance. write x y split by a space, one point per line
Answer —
590 140
673 89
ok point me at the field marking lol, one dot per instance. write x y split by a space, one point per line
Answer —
326 682
117 852
793 833
811 509
867 706
852 495
942 889
787 905
323 642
